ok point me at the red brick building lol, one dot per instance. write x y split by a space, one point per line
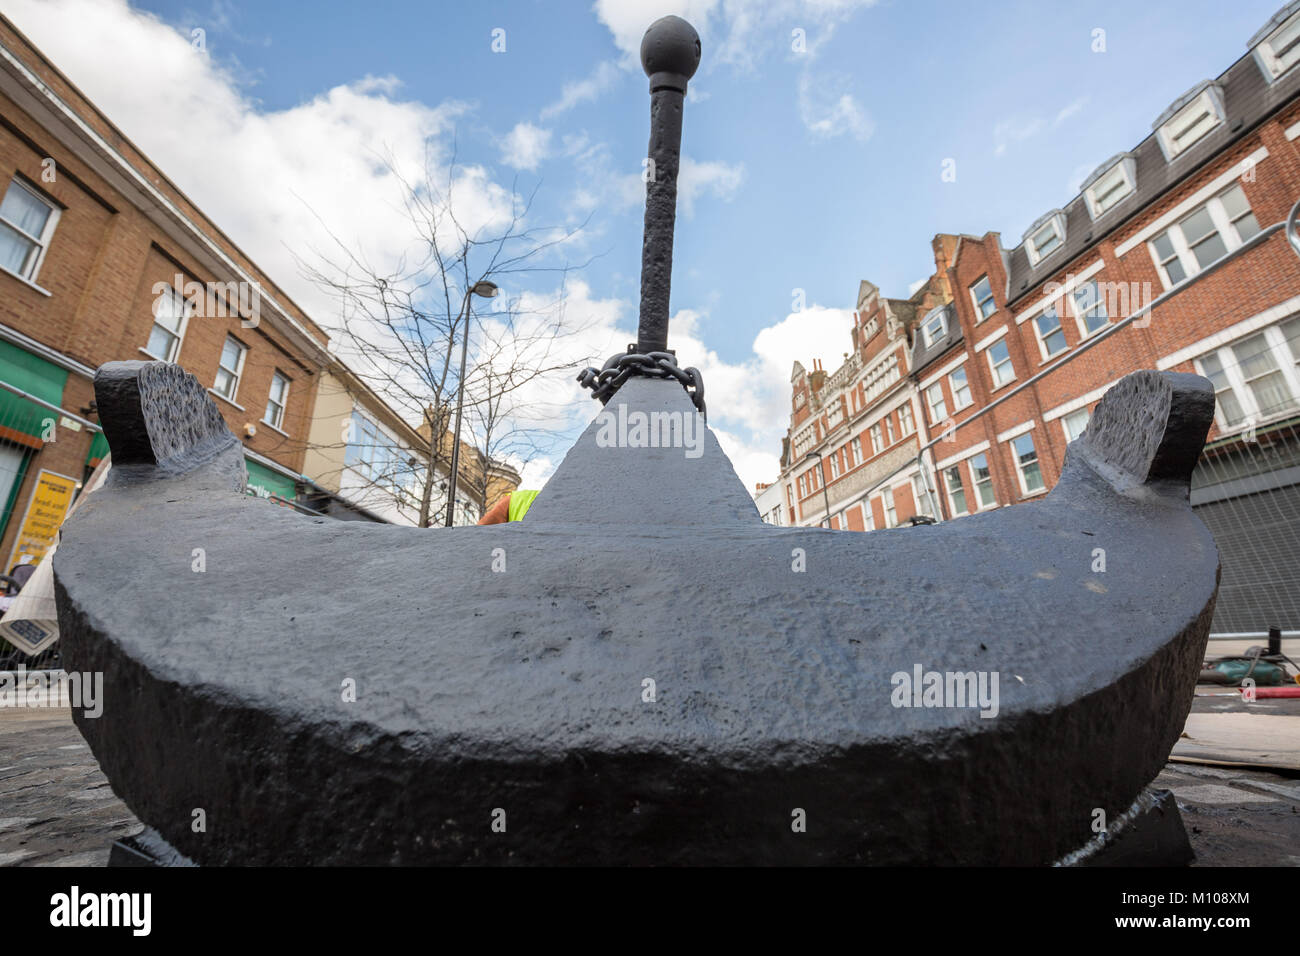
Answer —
1172 256
102 258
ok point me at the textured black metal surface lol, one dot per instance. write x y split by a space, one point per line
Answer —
1149 833
670 54
521 689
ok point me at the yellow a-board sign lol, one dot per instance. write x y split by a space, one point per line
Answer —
46 508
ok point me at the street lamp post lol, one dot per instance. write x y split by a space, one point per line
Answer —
825 497
487 290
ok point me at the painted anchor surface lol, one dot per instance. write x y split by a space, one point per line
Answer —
505 668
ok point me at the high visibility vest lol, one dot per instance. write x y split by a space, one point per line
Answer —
520 502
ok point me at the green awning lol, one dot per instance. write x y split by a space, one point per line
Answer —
264 482
33 375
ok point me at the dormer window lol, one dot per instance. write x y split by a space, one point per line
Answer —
1193 115
934 327
1114 180
1045 236
1277 45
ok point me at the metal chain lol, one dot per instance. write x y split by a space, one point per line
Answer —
619 368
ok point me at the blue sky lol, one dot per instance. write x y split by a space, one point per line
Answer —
811 170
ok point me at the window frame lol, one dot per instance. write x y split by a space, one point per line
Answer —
993 366
1042 336
1185 118
976 483
980 314
1224 226
1099 306
187 310
283 404
947 476
958 405
937 410
237 375
889 507
1020 465
1266 54
921 495
906 420
1288 364
1055 221
939 315
1065 428
1094 196
32 268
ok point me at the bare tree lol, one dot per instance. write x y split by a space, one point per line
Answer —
402 329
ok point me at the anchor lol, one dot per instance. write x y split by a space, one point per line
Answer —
641 671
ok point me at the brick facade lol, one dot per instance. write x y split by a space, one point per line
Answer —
1228 285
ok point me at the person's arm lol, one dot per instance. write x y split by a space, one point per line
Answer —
499 513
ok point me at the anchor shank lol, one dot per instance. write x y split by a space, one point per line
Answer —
664 156
670 54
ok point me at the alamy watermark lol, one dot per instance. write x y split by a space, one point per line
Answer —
79 690
639 429
922 688
219 300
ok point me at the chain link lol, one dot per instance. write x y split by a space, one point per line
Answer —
619 368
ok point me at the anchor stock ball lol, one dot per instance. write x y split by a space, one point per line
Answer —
670 52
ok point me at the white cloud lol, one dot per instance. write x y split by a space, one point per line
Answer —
1069 110
268 178
605 187
525 146
602 78
828 110
1017 129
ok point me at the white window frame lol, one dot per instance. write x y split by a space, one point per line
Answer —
835 464
980 314
186 309
278 421
978 499
32 268
1272 61
1041 336
887 505
993 366
921 494
1171 130
877 443
1053 222
906 421
855 449
1111 187
1020 468
1065 422
868 518
936 406
1099 307
237 374
1288 365
888 422
946 475
957 403
940 316
1226 228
